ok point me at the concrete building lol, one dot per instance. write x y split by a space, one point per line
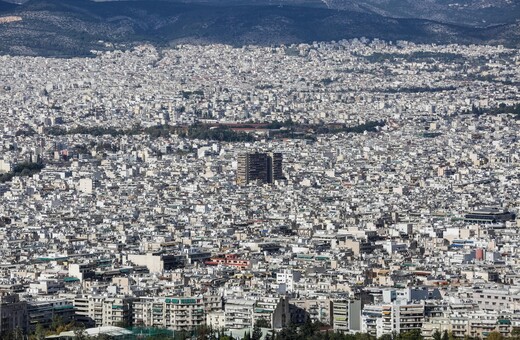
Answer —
176 313
287 278
157 262
345 315
245 313
42 312
104 310
259 167
385 319
13 313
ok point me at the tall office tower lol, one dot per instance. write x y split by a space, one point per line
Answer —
275 167
260 167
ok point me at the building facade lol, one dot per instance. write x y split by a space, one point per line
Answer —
176 313
13 314
259 167
345 315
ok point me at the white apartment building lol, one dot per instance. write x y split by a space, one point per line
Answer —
346 315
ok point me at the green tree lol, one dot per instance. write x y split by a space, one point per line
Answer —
271 335
204 332
363 336
262 323
225 337
181 335
411 335
39 332
288 333
257 332
495 336
308 329
102 337
56 322
437 335
515 333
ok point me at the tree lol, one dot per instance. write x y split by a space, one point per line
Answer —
80 334
308 329
204 332
363 336
411 335
445 336
515 333
495 336
437 335
288 333
257 332
102 337
56 323
39 332
181 335
262 323
19 334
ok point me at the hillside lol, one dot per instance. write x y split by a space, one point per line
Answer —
73 28
480 13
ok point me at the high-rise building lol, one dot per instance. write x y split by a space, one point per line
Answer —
13 314
259 167
275 171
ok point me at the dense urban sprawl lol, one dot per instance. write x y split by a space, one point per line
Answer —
395 210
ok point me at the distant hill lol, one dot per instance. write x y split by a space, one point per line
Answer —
74 27
467 12
6 6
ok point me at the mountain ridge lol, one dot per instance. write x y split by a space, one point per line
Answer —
73 28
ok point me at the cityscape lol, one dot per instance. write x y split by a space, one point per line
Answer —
351 189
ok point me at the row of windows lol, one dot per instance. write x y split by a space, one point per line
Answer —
489 297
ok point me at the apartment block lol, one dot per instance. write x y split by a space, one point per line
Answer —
345 315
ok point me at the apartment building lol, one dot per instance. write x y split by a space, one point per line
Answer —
245 313
42 312
104 310
378 320
176 313
317 309
260 167
345 315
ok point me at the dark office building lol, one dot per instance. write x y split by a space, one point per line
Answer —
259 167
489 215
274 170
13 314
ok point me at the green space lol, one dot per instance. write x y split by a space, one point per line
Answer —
22 170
